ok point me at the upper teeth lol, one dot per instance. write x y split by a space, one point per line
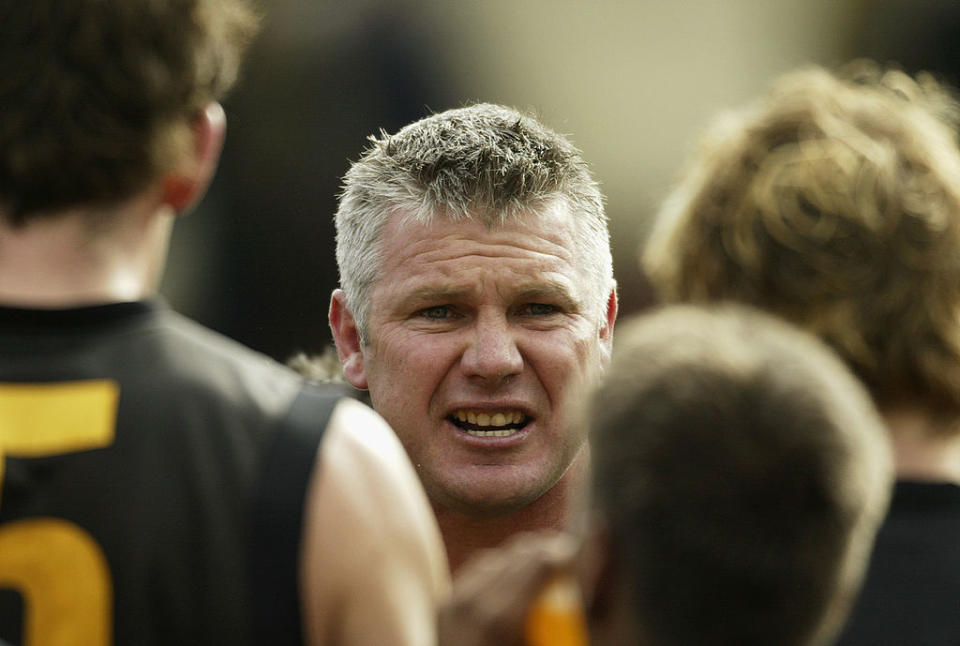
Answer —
489 419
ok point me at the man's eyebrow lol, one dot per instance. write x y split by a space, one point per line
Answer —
437 294
554 292
551 291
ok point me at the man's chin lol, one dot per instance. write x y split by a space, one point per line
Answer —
485 503
486 509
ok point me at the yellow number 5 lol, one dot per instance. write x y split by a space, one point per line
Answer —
56 566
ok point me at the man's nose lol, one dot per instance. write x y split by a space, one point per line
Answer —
492 354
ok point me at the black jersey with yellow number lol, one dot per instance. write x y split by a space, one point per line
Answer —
132 445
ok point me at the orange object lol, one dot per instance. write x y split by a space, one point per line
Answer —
556 617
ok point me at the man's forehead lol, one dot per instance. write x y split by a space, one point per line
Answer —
435 287
552 210
451 258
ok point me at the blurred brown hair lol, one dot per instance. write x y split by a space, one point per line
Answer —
834 201
96 96
741 472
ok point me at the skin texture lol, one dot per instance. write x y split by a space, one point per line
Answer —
465 318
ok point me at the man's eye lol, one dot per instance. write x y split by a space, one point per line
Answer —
539 309
437 312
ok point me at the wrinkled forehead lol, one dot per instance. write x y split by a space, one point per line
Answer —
551 229
530 251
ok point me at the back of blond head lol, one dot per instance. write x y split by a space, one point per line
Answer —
835 202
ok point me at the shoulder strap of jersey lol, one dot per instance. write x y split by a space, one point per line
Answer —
278 517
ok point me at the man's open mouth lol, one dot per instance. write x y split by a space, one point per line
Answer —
489 423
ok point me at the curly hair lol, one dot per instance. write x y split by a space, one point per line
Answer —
485 162
96 95
835 202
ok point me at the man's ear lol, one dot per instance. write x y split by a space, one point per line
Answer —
184 186
347 338
606 332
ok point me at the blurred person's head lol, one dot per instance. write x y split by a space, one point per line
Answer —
477 294
101 98
833 201
739 474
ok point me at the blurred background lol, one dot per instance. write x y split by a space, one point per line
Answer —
633 83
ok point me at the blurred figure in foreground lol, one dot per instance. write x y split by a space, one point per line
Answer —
739 475
160 483
834 201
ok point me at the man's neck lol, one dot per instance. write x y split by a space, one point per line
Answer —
464 535
924 449
65 260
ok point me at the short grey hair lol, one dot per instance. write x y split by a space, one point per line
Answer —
483 162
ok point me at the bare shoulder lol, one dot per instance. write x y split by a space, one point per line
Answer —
373 562
357 433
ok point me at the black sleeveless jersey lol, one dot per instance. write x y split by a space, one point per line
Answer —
146 488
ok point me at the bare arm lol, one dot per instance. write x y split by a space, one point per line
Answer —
373 567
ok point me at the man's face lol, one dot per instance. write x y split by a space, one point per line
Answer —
478 339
